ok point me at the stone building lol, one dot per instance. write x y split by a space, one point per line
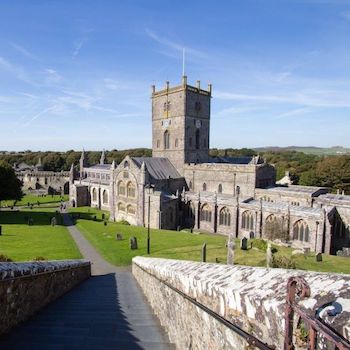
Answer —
181 186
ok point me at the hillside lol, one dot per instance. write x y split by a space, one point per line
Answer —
320 151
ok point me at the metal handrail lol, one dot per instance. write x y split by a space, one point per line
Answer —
250 339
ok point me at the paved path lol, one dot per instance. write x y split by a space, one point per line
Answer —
108 311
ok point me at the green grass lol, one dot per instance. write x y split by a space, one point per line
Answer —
185 246
21 242
35 199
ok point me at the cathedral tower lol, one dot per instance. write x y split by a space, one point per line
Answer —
180 123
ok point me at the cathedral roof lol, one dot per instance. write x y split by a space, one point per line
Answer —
158 168
236 160
101 166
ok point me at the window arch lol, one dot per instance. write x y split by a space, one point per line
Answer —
121 188
205 213
166 139
130 209
301 231
126 164
131 190
105 197
121 207
176 143
190 185
191 209
204 187
248 220
225 217
220 188
94 195
158 143
197 139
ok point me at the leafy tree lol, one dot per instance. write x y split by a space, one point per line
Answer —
53 161
10 186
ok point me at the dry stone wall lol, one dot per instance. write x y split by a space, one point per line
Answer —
252 298
25 288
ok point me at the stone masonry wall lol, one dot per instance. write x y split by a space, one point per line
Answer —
252 298
25 288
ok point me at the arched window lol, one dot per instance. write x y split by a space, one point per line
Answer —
204 186
248 220
121 207
130 210
131 190
105 197
158 143
225 217
205 213
191 209
121 188
176 143
126 164
301 231
94 195
166 140
197 139
220 188
190 185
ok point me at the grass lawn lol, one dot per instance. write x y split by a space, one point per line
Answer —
21 242
34 199
184 245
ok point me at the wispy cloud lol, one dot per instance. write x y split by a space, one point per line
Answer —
24 51
78 46
36 116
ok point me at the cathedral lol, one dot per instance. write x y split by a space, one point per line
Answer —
180 186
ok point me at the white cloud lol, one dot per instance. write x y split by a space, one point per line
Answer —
78 46
24 51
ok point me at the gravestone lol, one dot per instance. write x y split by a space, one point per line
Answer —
268 255
346 251
95 218
30 222
306 251
105 223
53 221
244 243
103 216
119 237
231 250
133 243
318 257
204 252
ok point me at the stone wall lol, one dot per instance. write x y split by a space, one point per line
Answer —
25 288
252 298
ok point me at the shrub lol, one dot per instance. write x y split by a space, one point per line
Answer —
5 258
283 262
123 222
39 258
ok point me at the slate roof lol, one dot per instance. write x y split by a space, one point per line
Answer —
231 160
297 189
158 168
101 166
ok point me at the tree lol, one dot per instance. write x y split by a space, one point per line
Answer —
10 186
53 162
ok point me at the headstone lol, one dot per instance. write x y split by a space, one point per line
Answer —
133 243
306 251
95 218
105 223
204 252
231 250
103 216
191 230
244 243
179 228
119 237
30 222
268 255
319 257
346 251
53 221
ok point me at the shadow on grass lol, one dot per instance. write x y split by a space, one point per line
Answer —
34 218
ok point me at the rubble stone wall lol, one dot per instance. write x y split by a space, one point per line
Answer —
251 298
25 288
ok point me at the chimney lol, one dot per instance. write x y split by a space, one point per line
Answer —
184 80
209 88
198 84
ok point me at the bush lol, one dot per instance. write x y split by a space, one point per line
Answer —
39 258
123 222
5 258
283 262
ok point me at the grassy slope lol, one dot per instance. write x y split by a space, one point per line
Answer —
21 242
184 245
34 199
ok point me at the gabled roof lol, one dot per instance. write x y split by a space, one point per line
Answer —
158 168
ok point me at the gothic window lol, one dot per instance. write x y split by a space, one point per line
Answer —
121 207
197 139
158 143
166 106
197 106
204 186
131 190
301 231
220 188
130 210
105 197
225 217
94 195
248 220
176 143
205 214
191 210
166 140
45 180
125 174
190 185
121 188
126 164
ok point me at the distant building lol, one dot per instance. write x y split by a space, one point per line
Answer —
181 186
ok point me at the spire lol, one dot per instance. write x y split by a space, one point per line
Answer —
113 165
103 157
82 157
71 168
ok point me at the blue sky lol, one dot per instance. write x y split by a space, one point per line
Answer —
77 74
